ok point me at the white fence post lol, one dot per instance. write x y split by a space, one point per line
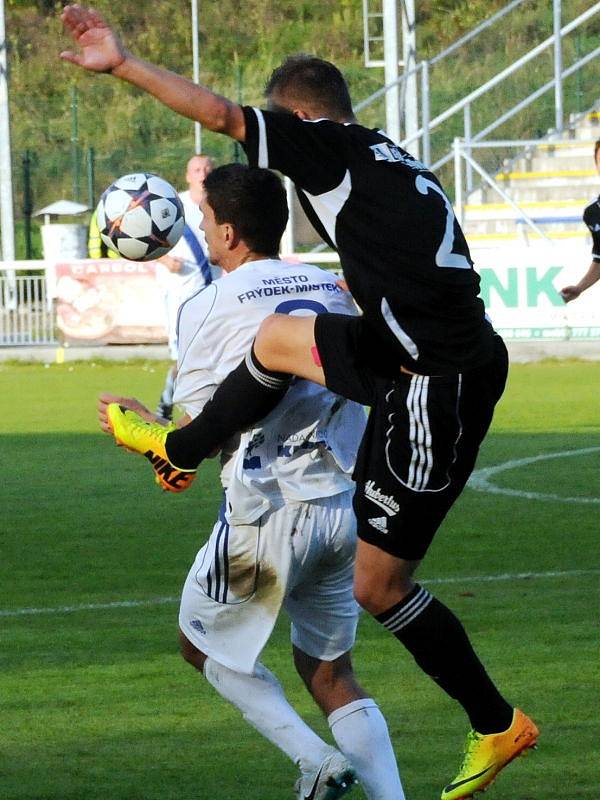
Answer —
458 189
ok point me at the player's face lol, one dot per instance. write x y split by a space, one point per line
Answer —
213 234
197 170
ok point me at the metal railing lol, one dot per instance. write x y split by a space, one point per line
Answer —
421 138
462 152
26 313
465 105
471 139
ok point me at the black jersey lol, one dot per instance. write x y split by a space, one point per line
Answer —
591 217
403 253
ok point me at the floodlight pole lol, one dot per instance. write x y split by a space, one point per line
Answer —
409 57
390 55
7 223
558 87
195 57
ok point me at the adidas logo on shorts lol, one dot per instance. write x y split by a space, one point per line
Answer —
379 523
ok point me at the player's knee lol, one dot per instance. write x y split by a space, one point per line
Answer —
267 343
368 593
381 581
367 596
190 652
321 676
378 596
332 684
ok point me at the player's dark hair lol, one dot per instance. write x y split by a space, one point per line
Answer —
251 199
596 148
314 81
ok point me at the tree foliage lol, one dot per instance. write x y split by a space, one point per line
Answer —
239 46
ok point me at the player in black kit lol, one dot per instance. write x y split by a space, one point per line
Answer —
591 217
422 355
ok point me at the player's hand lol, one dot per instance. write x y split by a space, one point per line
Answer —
106 399
172 263
569 293
101 49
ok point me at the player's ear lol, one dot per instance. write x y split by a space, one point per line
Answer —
230 235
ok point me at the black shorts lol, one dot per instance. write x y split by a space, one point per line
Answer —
422 437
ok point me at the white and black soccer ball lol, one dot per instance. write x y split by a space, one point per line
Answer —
140 216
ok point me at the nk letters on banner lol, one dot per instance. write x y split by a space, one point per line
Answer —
520 287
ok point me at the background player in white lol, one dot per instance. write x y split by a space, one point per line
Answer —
286 532
185 269
591 217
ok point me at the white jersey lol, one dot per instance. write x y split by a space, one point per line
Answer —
306 447
195 272
193 219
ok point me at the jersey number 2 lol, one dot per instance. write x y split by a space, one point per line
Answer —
444 256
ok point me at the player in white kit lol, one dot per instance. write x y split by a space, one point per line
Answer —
185 269
286 532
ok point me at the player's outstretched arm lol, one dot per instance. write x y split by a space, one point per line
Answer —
569 293
100 50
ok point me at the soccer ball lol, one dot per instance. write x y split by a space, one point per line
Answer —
140 216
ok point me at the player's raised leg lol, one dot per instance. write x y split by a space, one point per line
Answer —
284 346
148 438
247 395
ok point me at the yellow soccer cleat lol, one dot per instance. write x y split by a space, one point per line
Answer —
149 439
486 755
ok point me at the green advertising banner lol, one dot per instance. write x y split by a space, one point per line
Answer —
520 286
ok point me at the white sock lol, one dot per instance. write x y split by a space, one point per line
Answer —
361 733
263 704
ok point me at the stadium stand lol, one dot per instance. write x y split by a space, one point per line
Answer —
552 183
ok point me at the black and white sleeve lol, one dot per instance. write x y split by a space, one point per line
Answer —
311 153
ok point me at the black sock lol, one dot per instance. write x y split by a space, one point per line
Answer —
246 396
440 646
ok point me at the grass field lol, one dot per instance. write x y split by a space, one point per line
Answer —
95 702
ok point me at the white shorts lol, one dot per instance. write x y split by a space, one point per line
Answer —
300 557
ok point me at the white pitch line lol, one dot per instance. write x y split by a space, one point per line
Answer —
23 612
479 480
518 576
161 601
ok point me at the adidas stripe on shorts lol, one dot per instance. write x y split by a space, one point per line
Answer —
422 437
301 557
